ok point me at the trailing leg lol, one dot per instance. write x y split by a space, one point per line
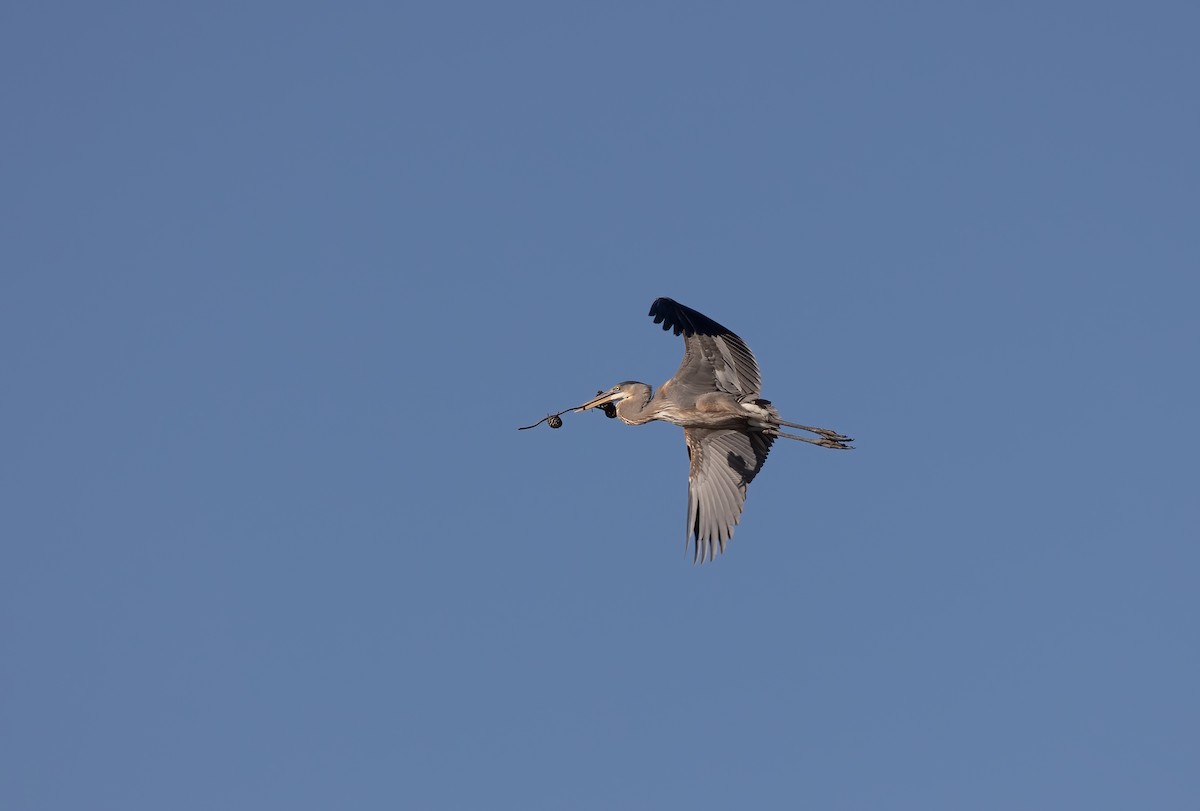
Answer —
823 432
837 441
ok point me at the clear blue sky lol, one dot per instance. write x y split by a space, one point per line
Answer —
278 281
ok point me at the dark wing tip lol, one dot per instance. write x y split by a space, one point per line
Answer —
662 310
674 316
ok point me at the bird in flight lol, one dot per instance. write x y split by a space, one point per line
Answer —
728 427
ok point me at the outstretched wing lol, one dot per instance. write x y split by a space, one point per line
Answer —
724 462
714 359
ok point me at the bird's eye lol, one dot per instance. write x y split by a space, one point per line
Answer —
616 388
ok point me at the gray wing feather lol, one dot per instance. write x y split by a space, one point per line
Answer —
724 462
714 359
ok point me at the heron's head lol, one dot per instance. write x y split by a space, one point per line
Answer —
619 392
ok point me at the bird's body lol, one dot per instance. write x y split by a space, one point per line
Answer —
728 427
715 409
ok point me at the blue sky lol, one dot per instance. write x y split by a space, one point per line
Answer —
279 281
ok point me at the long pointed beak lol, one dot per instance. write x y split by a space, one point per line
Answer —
601 399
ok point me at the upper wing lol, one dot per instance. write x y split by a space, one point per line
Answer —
714 359
724 461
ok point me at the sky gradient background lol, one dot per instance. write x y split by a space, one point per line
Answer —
279 280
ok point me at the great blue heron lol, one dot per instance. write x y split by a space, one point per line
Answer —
728 428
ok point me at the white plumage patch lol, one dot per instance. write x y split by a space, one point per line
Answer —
759 416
